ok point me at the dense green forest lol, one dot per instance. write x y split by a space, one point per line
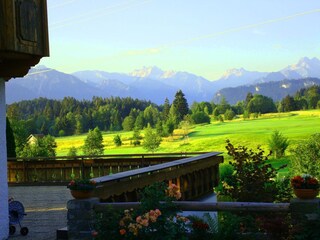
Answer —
73 117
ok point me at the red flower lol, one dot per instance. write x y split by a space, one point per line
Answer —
122 231
304 182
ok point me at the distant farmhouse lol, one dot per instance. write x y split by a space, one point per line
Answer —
33 138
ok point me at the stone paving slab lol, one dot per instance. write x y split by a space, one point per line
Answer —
46 211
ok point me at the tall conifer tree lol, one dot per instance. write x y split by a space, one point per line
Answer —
181 105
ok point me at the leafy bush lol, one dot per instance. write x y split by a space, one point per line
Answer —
72 152
253 178
93 143
42 147
229 114
306 157
278 144
283 190
117 140
225 172
136 137
151 140
200 117
219 118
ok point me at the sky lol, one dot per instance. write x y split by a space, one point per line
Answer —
204 37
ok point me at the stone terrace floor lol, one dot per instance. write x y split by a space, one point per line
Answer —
46 211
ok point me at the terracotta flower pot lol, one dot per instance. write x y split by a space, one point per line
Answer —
81 194
306 193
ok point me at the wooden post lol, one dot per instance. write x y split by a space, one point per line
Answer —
4 212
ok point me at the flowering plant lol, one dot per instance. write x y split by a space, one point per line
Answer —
305 181
156 218
82 184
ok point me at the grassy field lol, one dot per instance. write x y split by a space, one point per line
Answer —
296 126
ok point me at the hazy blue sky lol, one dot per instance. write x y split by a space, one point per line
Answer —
205 37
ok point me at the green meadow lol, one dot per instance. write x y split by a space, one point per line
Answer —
296 126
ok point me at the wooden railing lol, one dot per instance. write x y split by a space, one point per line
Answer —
195 176
206 206
60 170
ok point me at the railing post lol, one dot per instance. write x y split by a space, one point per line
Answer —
81 218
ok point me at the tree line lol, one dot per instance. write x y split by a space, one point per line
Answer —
71 117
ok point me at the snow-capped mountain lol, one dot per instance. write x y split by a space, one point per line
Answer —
305 68
145 82
149 83
151 72
238 77
96 77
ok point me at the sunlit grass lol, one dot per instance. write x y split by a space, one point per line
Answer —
296 126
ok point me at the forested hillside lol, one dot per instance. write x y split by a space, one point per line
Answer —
73 117
70 116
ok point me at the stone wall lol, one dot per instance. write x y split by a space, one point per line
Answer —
81 218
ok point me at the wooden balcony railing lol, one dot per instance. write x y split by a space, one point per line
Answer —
195 176
60 170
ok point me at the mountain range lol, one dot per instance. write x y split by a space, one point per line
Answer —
154 84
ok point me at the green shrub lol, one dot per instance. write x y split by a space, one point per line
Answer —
253 178
200 117
225 171
229 114
306 157
117 140
278 144
283 190
72 152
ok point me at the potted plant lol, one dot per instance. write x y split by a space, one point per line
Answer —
305 186
82 188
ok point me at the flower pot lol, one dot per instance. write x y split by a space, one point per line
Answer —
306 193
81 194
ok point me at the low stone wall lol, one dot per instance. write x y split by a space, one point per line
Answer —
81 218
81 213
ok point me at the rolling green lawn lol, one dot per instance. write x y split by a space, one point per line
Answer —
296 126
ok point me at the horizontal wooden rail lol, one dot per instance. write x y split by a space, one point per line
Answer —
107 156
159 167
201 206
60 170
195 175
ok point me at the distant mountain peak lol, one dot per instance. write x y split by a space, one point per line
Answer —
238 72
308 60
306 67
40 67
152 72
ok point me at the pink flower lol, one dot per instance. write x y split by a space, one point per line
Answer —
138 219
145 222
158 212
